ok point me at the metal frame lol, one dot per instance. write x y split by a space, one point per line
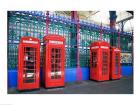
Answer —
25 23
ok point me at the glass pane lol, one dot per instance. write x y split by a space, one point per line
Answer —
116 63
94 59
104 62
29 65
56 63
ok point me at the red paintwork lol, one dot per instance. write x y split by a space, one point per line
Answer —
57 82
113 51
20 84
96 72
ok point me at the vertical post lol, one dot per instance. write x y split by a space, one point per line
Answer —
132 49
47 22
122 26
118 38
113 18
101 32
73 40
76 19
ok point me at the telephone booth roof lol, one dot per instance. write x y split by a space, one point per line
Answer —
29 39
99 43
54 37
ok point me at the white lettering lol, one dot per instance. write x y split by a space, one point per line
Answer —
55 42
105 47
27 41
95 47
116 50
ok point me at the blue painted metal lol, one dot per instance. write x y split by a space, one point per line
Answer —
113 18
70 74
127 70
12 78
113 15
85 73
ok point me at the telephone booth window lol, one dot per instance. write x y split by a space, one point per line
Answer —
29 64
104 63
56 63
94 59
115 72
116 63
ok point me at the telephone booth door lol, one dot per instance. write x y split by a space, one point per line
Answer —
105 63
94 63
99 61
28 63
55 61
115 72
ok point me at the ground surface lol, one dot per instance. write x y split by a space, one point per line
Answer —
122 86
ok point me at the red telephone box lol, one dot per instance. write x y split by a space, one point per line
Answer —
99 61
115 72
28 63
54 60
